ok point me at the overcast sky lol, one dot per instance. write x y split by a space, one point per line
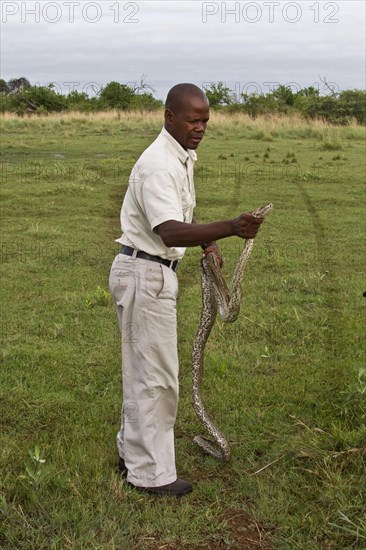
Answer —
247 45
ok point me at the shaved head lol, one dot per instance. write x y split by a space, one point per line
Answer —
187 112
180 94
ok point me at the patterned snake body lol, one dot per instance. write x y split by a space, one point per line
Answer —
216 297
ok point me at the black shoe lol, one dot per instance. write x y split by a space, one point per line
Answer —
178 488
122 467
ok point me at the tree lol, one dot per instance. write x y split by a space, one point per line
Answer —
219 94
143 86
284 98
116 96
15 85
258 104
310 91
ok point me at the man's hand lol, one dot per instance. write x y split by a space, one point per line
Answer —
246 225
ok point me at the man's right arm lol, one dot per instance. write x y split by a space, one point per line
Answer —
175 233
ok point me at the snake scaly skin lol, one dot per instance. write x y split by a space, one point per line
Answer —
216 297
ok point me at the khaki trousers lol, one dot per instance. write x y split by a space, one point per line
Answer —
145 294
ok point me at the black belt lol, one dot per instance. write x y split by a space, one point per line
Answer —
129 251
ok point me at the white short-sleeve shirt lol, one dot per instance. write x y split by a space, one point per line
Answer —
160 188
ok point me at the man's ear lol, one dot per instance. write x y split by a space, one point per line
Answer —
169 116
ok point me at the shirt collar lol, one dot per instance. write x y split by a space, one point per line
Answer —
182 154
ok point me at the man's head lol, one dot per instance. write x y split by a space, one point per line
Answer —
186 114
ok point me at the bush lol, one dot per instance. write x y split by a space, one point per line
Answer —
32 99
77 101
352 104
17 95
145 102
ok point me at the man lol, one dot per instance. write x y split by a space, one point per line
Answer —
157 223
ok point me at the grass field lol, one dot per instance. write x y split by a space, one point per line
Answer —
286 382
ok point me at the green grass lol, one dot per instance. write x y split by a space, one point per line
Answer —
284 382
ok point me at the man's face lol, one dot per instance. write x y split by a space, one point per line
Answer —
188 124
